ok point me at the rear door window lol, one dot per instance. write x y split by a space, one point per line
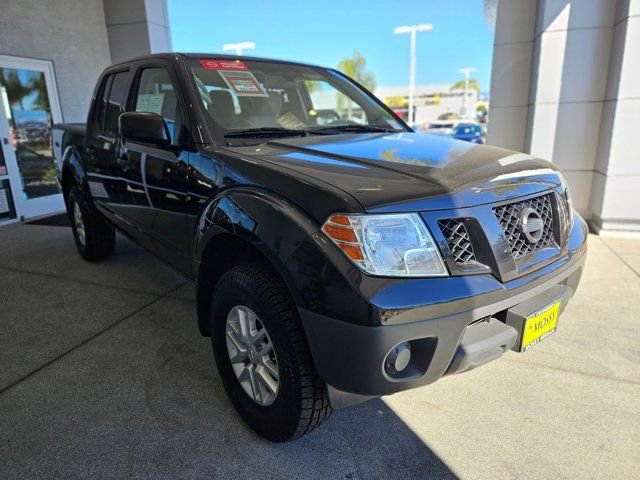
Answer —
101 103
116 102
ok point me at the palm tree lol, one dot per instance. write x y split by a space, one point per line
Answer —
490 8
16 90
459 85
355 67
38 84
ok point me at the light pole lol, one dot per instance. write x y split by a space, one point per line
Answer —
467 72
412 29
238 47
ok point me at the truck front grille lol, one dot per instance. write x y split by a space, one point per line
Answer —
458 240
509 218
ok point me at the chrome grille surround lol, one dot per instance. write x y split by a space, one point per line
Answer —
458 240
508 216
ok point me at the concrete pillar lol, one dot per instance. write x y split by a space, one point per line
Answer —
137 27
511 73
578 61
615 194
568 79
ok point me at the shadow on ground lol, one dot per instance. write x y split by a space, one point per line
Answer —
105 375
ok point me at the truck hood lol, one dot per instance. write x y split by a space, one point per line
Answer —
410 171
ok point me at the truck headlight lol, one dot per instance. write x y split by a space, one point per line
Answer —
397 245
567 200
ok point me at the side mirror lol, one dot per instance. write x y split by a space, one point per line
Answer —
144 127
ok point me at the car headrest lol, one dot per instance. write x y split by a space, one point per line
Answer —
261 106
222 108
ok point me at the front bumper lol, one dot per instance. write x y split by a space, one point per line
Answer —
445 338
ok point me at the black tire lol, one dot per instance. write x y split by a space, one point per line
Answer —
300 404
99 237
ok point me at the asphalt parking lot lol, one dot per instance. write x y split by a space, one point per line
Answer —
104 375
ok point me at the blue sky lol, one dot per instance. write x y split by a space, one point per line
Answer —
326 31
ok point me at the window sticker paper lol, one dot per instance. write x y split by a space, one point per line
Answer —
150 102
243 83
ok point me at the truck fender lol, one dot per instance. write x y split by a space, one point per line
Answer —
258 223
72 171
252 220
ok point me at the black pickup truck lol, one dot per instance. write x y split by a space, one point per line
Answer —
338 256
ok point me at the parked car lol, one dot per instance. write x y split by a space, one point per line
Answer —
469 132
442 127
333 263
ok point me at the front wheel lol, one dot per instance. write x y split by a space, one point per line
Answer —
94 238
262 355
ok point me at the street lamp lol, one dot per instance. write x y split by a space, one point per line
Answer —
238 47
467 72
412 29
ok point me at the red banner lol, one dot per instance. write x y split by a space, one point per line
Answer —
223 65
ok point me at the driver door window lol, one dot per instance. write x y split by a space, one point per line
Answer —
157 95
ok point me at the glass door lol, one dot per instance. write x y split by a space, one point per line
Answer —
28 108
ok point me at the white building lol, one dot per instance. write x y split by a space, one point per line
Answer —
54 50
430 101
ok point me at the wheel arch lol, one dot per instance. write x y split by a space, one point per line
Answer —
72 171
246 225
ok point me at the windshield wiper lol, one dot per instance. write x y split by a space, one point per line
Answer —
265 132
353 128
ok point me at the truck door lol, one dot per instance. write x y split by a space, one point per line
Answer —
107 188
159 205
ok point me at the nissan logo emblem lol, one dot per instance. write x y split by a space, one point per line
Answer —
531 224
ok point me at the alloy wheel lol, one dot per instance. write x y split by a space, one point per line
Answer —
252 356
79 223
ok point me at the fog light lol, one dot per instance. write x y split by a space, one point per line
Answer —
398 359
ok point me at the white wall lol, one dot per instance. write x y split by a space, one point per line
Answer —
137 27
71 33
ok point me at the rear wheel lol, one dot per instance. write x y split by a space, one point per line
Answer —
94 237
262 355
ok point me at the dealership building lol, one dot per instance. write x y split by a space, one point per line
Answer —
51 54
564 87
431 101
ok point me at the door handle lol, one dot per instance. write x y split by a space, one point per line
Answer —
123 161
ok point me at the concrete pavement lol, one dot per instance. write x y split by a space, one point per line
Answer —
105 375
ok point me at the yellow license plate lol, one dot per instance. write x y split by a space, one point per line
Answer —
540 325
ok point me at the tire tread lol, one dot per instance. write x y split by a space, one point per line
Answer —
315 408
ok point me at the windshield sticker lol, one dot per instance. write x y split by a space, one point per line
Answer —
150 102
291 122
243 83
224 65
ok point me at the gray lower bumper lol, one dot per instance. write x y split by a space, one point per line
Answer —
350 358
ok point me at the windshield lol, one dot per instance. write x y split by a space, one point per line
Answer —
257 95
467 130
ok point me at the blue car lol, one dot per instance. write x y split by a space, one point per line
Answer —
468 132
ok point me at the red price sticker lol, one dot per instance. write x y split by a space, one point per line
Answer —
223 65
